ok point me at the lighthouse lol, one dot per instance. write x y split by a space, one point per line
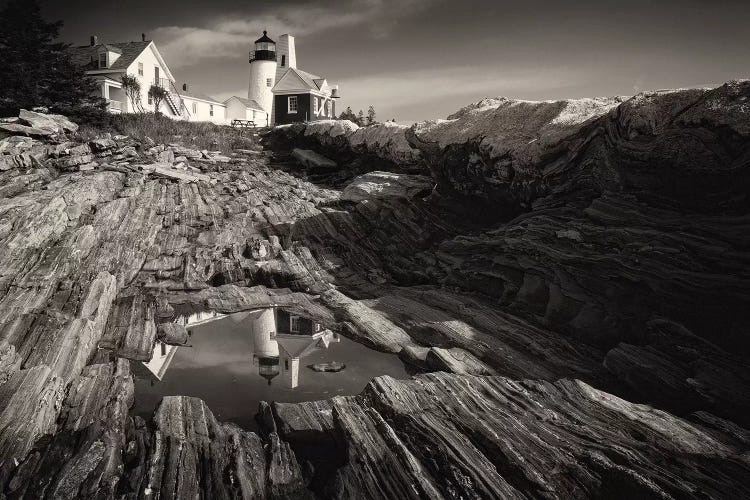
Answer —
286 93
262 72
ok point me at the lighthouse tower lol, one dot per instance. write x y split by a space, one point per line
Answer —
263 72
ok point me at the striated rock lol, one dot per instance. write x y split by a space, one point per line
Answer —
384 184
573 253
18 129
456 360
515 152
53 123
313 160
85 456
447 436
29 403
381 146
192 454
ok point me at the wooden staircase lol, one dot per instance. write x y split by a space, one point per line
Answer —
174 101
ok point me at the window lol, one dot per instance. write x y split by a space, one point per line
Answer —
103 60
211 109
294 323
195 107
269 82
286 364
163 349
140 69
283 61
292 100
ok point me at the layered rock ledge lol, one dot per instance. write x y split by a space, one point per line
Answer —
568 281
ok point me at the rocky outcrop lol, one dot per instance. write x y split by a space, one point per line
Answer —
454 436
688 146
381 146
546 278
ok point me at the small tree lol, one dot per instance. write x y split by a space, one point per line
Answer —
361 118
371 115
157 95
132 88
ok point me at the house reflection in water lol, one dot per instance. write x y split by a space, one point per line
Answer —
279 341
163 354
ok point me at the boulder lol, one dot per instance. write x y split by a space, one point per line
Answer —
377 185
312 160
18 129
53 123
172 333
102 144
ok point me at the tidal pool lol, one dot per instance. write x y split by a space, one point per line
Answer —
233 362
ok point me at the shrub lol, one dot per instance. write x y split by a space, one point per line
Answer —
164 130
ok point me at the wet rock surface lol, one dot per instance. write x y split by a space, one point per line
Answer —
573 257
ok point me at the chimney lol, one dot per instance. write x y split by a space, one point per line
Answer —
143 37
185 87
94 40
285 50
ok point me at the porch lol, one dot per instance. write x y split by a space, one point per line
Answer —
113 93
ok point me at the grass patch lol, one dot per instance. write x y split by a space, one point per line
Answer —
163 130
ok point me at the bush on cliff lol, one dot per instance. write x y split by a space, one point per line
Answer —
37 70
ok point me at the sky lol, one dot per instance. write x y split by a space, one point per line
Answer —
425 59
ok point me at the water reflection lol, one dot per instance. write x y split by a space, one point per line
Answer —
235 361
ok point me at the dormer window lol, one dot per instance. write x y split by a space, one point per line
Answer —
103 60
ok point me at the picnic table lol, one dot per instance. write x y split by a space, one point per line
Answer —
243 123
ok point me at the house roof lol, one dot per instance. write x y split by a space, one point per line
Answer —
129 52
249 103
197 95
308 78
112 48
309 81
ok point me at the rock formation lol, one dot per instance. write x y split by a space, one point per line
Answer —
567 280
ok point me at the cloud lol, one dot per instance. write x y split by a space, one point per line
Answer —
188 45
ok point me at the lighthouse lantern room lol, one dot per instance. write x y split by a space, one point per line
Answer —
262 72
265 49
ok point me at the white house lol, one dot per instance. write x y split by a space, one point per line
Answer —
201 107
239 108
107 62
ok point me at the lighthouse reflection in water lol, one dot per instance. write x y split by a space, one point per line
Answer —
280 340
235 361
